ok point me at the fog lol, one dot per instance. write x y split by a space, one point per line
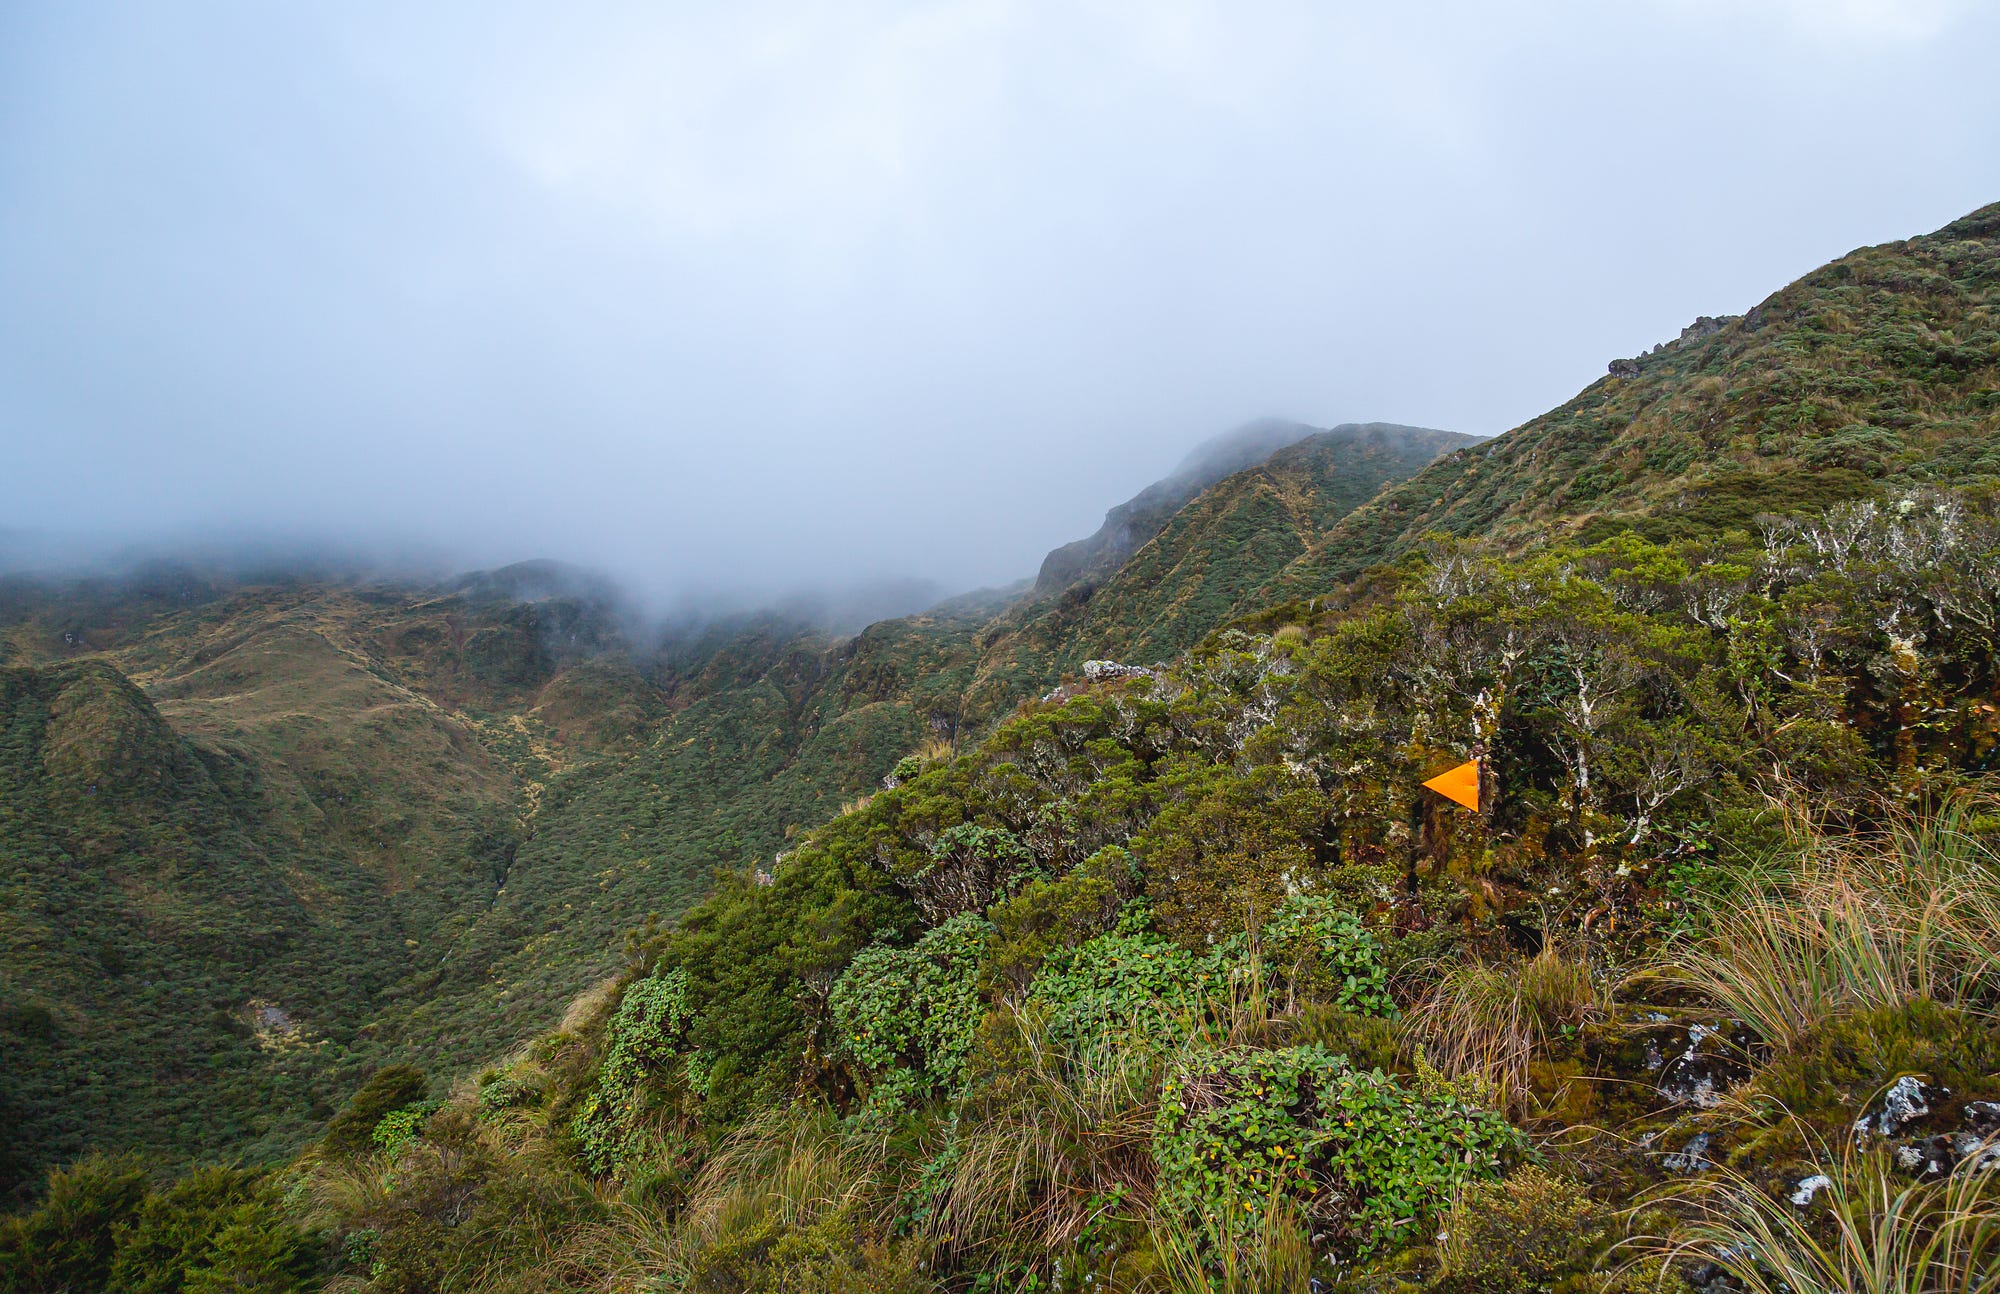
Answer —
761 297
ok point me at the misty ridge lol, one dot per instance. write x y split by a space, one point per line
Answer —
626 608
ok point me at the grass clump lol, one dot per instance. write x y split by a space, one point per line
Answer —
1490 1022
1868 1230
1855 924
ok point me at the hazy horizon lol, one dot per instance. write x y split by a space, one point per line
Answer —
772 298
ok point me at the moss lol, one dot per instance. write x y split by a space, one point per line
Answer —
1849 1062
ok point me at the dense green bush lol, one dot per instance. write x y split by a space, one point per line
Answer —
643 1040
907 1016
100 1227
391 1088
1326 951
69 1242
1369 1162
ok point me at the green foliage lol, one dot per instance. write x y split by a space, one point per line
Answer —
69 1242
101 1228
175 1229
391 1088
1121 985
399 1127
1529 1233
1048 915
643 1041
1369 1161
1328 949
907 1016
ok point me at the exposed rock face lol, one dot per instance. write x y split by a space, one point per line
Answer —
1908 1101
1099 671
1699 1073
1691 1158
1624 368
1704 326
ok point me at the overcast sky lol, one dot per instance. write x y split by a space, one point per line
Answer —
773 294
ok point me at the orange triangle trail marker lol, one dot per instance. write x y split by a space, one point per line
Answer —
1460 784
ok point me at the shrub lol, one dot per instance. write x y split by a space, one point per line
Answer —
1330 954
1525 1234
399 1127
1126 984
1367 1161
387 1090
907 1016
67 1242
176 1228
968 866
643 1039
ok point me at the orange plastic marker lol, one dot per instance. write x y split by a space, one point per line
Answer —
1460 784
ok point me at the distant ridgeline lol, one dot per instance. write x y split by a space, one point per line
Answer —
1123 969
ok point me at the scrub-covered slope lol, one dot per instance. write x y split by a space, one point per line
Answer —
454 800
1879 369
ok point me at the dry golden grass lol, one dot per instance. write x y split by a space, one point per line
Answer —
1871 1230
1854 923
1490 1021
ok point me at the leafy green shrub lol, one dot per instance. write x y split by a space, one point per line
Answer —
502 1091
391 1088
643 1039
399 1127
1127 983
1368 1161
1329 950
1050 914
100 1228
907 1016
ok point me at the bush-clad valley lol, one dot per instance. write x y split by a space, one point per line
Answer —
1173 977
275 830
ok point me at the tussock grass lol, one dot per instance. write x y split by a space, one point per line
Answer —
791 1167
1854 923
1277 1259
1072 1134
1490 1021
1873 1230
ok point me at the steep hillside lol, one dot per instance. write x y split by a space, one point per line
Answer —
502 775
1881 369
176 966
1207 562
1132 524
1180 978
